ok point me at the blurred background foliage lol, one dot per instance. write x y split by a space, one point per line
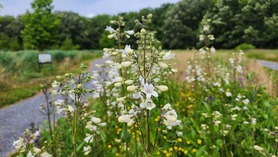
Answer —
233 23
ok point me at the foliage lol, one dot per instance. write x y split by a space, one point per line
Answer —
135 109
245 46
68 45
180 26
105 41
232 22
40 26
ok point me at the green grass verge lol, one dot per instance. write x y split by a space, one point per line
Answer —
24 84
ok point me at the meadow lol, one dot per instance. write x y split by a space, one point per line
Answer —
147 103
20 75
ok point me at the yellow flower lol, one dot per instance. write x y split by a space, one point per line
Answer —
199 141
170 149
117 154
176 148
164 151
188 142
185 151
179 140
165 137
158 153
168 154
194 150
109 146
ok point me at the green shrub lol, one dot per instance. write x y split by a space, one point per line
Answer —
245 46
68 45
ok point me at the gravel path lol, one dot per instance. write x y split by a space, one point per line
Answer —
271 65
16 118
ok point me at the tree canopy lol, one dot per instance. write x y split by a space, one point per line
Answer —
177 25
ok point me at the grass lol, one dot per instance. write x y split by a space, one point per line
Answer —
264 76
20 84
263 54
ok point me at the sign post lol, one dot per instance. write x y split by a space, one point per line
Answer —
44 59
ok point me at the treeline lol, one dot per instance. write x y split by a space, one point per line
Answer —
232 22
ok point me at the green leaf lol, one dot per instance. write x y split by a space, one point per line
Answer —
80 146
103 136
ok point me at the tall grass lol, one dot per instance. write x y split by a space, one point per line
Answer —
20 75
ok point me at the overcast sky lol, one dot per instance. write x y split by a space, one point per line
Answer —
87 8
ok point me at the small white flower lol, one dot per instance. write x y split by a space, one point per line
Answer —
239 69
234 116
245 101
89 138
232 60
36 150
130 32
168 56
137 95
124 118
96 120
201 37
148 104
228 94
179 133
30 154
149 91
211 37
212 50
110 29
87 150
217 122
111 35
206 28
167 107
45 154
253 120
70 108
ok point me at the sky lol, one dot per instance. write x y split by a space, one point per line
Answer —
87 8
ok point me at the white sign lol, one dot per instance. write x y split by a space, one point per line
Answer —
45 58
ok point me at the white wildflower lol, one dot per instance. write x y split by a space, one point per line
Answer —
149 91
168 56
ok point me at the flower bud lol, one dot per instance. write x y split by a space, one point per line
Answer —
79 86
121 99
162 88
162 65
143 31
126 63
109 62
128 82
174 70
131 88
118 84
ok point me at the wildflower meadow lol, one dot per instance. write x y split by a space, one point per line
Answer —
133 105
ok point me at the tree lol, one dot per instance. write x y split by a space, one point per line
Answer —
182 21
40 31
95 29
